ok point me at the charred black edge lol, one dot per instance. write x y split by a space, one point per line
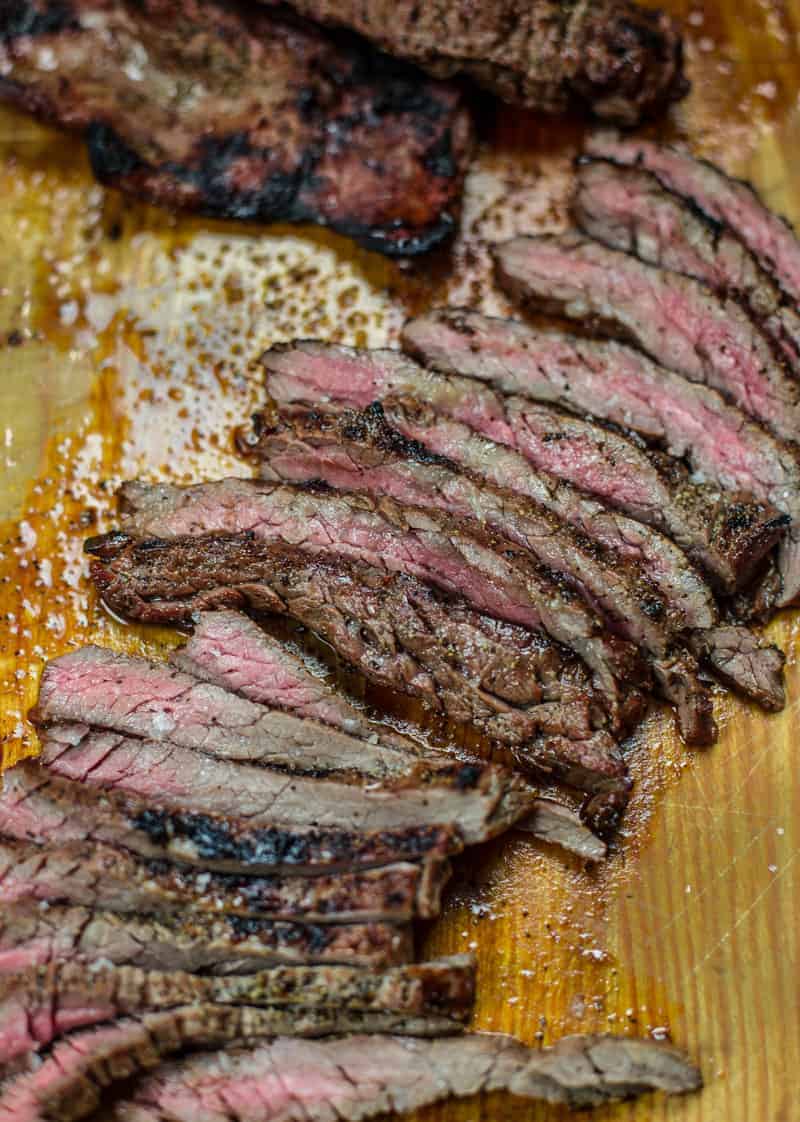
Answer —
24 18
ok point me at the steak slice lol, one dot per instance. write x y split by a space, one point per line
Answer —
37 806
677 320
361 452
726 200
559 825
357 1078
687 420
629 210
426 544
94 875
616 59
722 536
480 801
35 934
514 684
44 1003
231 111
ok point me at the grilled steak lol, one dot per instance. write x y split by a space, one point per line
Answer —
724 537
718 343
231 651
224 109
358 1078
361 452
628 209
683 418
515 685
37 806
730 201
44 1003
422 543
560 825
34 935
161 703
479 801
620 61
99 876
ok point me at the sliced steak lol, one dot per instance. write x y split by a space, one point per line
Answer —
34 934
44 1003
99 876
505 584
232 651
628 209
559 825
480 801
612 57
744 661
514 684
726 538
228 110
687 420
677 320
358 1078
37 806
362 452
730 201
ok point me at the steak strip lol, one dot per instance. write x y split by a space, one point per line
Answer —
44 1003
614 58
227 110
628 209
37 806
190 941
726 200
361 452
724 538
98 876
677 320
514 684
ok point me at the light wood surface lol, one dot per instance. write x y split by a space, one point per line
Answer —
136 338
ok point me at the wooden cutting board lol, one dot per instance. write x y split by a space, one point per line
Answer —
129 346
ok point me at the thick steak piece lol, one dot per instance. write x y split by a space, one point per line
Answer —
612 57
38 806
357 1078
479 801
422 543
724 537
228 110
94 875
41 1004
719 196
675 319
616 383
514 684
31 935
362 452
628 209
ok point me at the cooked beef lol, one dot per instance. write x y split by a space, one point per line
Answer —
725 537
94 875
43 1003
37 806
613 57
712 192
479 801
504 583
628 209
139 698
224 109
35 934
559 825
70 1082
232 651
515 685
736 654
677 320
358 1078
362 452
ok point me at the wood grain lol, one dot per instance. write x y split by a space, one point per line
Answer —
132 341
